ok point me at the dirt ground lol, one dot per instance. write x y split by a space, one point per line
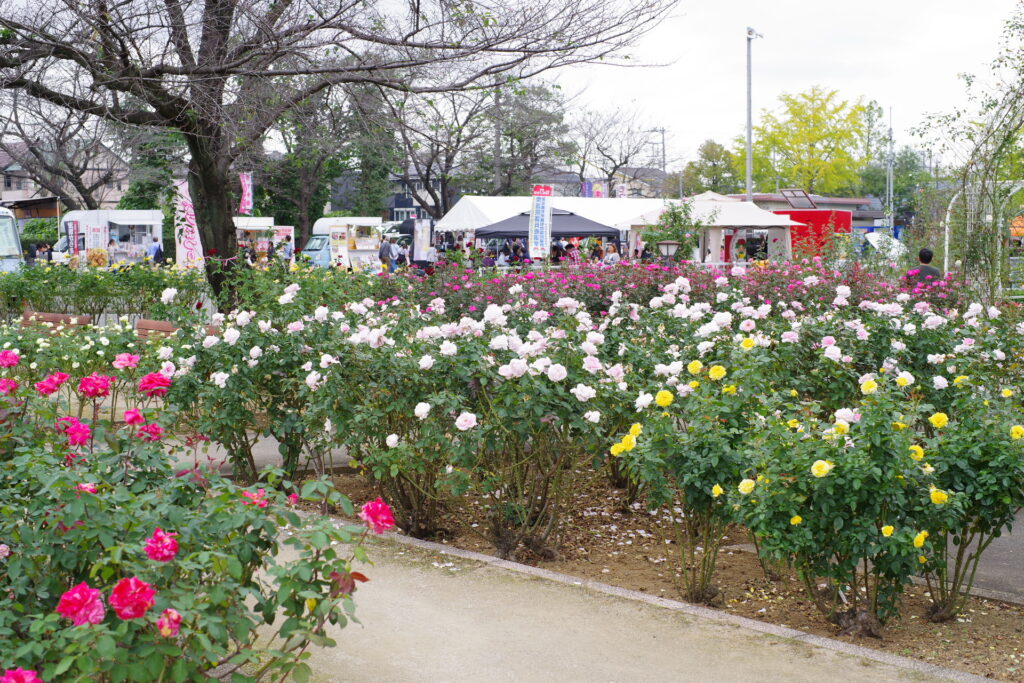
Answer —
633 549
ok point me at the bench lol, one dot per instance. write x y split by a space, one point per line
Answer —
53 321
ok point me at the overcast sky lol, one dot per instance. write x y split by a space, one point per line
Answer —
905 54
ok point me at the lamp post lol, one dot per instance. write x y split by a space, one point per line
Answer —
668 249
751 34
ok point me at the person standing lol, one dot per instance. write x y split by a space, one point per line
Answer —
287 249
392 255
153 249
572 254
926 273
611 256
384 254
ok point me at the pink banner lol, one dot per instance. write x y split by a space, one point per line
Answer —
245 205
186 232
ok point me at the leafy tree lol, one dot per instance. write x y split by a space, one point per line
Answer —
815 141
909 174
713 170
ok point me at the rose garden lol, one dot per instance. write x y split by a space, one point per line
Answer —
861 434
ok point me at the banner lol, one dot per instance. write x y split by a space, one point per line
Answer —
186 232
245 205
73 236
539 235
420 239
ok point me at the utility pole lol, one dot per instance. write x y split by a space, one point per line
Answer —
890 165
497 140
751 34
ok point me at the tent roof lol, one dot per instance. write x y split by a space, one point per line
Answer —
563 224
474 212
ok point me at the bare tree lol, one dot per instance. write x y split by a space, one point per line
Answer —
221 71
69 154
436 133
613 143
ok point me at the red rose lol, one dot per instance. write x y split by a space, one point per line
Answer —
131 598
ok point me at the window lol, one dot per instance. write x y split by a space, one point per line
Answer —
7 182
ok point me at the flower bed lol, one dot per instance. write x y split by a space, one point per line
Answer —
858 427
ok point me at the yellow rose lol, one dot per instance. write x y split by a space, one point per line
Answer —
663 398
729 389
636 429
795 520
920 539
694 384
628 442
716 372
887 530
794 423
694 367
939 497
821 468
746 486
617 449
916 452
922 559
716 491
841 427
310 604
794 393
1007 393
748 343
899 426
939 420
869 387
1017 432
960 379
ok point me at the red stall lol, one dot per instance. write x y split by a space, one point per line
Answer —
819 225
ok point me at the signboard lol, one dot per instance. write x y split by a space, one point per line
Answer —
420 239
339 245
542 191
539 235
186 232
95 237
245 205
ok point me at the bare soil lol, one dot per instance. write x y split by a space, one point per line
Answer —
629 547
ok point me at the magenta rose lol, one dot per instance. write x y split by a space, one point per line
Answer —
169 623
8 358
7 385
131 598
133 416
82 605
95 385
20 675
151 432
377 515
161 546
154 384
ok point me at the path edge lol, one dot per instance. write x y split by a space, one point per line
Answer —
906 663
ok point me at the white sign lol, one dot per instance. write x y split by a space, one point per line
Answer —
420 239
539 235
186 232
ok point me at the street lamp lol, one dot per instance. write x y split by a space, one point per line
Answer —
668 249
751 34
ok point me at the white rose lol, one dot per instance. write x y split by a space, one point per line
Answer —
167 296
426 362
209 341
220 379
392 440
465 421
448 348
231 335
255 352
592 416
557 372
422 410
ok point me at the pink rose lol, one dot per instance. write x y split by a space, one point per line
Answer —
95 385
7 386
377 515
256 498
126 360
20 675
161 546
51 384
293 498
131 598
154 384
87 487
82 605
133 416
78 433
169 623
8 358
151 432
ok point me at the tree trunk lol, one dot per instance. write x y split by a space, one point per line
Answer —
209 183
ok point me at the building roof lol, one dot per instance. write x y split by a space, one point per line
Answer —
816 198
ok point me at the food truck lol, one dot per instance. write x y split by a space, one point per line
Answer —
255 235
349 242
123 235
10 244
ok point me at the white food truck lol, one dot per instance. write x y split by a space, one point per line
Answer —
350 242
10 244
132 232
255 234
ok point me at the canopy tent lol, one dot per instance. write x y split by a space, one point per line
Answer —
563 224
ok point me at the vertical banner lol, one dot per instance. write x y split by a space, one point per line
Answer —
539 235
73 236
96 237
587 189
245 205
420 239
186 232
